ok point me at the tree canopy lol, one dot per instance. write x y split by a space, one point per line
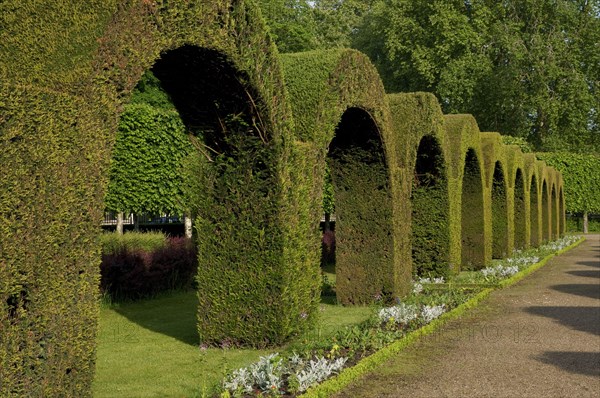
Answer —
151 145
527 68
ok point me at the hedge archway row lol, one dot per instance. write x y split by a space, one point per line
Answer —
265 125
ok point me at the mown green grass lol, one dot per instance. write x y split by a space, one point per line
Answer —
151 349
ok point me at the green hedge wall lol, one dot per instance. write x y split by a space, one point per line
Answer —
51 157
531 200
516 196
581 179
337 101
497 188
146 166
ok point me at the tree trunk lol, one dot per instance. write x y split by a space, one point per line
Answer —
585 222
327 226
187 221
120 223
136 222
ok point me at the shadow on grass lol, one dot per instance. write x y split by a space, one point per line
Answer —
172 314
585 363
585 319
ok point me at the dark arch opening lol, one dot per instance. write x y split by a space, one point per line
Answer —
519 212
499 214
534 215
546 218
554 222
472 216
363 207
430 209
230 190
561 212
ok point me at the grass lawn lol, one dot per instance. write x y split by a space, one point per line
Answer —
150 348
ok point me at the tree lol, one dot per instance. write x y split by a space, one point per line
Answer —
291 24
146 167
528 68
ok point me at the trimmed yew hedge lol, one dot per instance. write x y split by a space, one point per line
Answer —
338 104
67 73
472 210
424 202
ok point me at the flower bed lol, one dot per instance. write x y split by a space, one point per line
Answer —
312 362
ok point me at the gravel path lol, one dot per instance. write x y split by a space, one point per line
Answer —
538 338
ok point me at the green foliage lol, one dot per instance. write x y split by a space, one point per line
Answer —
145 173
61 93
429 199
540 56
147 241
499 214
520 220
363 244
575 224
328 195
150 92
473 236
339 92
581 175
291 24
518 141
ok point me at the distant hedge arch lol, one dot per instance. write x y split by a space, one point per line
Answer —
338 103
423 161
467 184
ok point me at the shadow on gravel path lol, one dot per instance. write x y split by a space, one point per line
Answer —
537 338
584 363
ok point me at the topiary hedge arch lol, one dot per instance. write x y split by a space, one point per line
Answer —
467 183
338 103
498 190
518 221
423 155
60 98
257 168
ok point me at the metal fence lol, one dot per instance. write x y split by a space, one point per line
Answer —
110 218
